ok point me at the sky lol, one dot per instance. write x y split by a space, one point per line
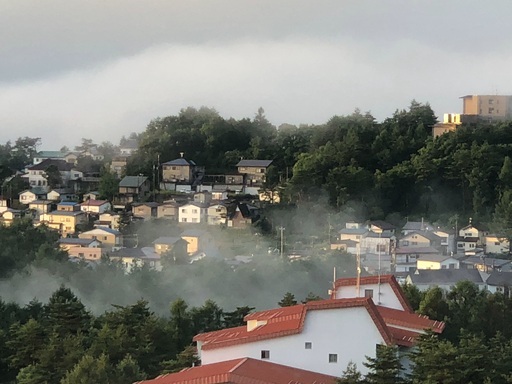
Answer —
102 69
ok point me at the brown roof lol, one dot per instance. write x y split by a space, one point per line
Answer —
242 371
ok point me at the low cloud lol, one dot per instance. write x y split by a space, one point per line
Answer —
296 80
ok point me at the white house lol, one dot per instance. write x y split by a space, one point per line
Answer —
377 243
320 336
28 196
193 213
444 278
470 238
95 206
217 214
498 245
437 262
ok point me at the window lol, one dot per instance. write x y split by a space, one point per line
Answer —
460 245
496 243
405 243
183 211
194 211
414 243
471 245
308 345
265 354
452 266
467 234
381 247
368 293
184 220
333 358
491 101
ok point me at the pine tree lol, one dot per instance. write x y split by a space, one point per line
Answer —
350 375
89 371
288 300
385 368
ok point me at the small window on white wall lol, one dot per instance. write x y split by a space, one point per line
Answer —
333 358
265 354
308 345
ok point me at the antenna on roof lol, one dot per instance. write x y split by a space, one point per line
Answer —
358 280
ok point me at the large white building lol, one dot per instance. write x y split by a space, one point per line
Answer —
324 336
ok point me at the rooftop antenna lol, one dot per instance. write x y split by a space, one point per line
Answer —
380 242
358 279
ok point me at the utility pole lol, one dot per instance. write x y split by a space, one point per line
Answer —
281 228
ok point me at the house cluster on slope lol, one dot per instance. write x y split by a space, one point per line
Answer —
426 256
312 342
198 199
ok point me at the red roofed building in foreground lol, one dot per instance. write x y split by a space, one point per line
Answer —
319 336
242 371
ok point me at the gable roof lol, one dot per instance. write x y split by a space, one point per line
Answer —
76 241
369 280
49 154
445 276
102 229
61 165
353 231
500 279
487 261
132 181
94 203
436 258
242 371
254 163
287 321
426 234
180 162
416 226
384 225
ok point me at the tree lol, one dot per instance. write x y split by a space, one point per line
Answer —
109 184
311 297
127 371
53 176
185 359
350 375
26 342
385 368
288 300
66 314
236 317
89 371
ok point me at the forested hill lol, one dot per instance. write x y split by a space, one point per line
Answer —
384 168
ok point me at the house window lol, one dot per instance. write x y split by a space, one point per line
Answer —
471 245
183 211
368 293
460 245
452 266
414 243
381 247
194 211
308 345
467 234
333 358
184 220
405 243
265 354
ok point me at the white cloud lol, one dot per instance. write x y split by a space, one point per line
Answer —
295 80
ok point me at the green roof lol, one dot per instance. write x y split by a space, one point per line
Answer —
52 154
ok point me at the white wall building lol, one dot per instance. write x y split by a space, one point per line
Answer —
193 213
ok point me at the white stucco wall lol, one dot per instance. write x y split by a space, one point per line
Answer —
387 298
348 332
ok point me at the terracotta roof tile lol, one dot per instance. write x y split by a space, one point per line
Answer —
409 320
242 371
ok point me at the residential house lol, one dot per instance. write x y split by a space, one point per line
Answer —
5 204
118 165
352 232
69 206
242 216
470 239
497 245
109 220
203 197
63 220
95 206
220 195
86 249
197 240
412 226
128 147
324 335
8 216
146 211
166 244
218 214
69 157
242 371
168 210
38 207
37 177
93 153
420 239
437 262
348 246
444 278
254 171
110 238
132 189
377 243
62 194
380 226
178 170
486 264
193 213
500 282
93 195
133 258
405 258
27 196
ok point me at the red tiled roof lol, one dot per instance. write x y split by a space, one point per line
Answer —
242 371
394 317
366 280
286 321
403 337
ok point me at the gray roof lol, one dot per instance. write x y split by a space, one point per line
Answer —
384 225
181 161
416 226
436 258
132 181
166 240
446 276
416 250
61 165
428 235
488 261
254 163
353 231
74 240
500 278
383 235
